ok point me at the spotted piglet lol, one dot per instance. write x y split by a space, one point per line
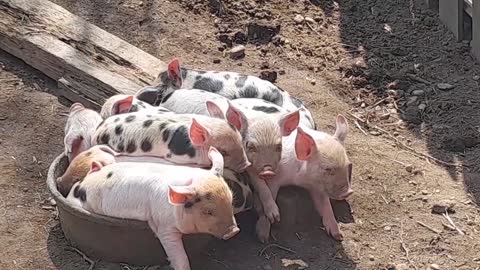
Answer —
262 133
174 200
317 162
241 188
120 103
231 85
177 138
79 130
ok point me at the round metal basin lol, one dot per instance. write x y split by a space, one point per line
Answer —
112 239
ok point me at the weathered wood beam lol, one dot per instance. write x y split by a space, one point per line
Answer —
88 63
451 14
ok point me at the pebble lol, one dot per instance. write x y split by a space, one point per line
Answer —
445 86
409 168
476 78
434 266
387 228
424 199
313 82
418 92
375 133
422 106
424 192
298 18
401 266
412 100
443 206
216 61
309 20
52 202
371 258
281 72
25 189
237 52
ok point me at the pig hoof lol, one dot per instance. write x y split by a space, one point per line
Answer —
273 213
263 229
337 236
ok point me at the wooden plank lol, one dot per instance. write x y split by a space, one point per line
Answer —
467 6
475 43
451 14
432 4
89 63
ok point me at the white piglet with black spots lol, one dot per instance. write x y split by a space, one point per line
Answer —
231 85
79 130
177 138
120 103
174 200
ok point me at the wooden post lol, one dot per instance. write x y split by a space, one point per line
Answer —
432 4
451 14
475 43
89 64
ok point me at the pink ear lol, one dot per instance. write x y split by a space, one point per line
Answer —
198 134
341 129
76 106
289 122
178 195
304 145
174 72
122 106
214 110
95 166
236 117
74 144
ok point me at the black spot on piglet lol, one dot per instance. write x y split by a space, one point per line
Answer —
146 145
147 123
130 118
208 84
131 147
105 138
249 92
180 143
109 174
80 193
265 109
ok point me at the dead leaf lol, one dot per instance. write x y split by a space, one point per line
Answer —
301 264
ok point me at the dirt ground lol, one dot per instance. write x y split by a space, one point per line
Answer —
390 63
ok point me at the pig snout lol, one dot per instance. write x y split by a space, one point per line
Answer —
267 173
232 231
243 167
346 194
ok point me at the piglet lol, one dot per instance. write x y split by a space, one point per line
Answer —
120 103
231 85
265 125
174 200
177 138
80 165
317 162
79 130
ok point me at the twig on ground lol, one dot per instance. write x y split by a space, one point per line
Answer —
417 153
277 246
418 79
380 101
356 117
359 127
428 227
85 257
384 199
404 246
445 215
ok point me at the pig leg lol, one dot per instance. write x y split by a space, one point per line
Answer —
267 197
173 246
324 208
263 225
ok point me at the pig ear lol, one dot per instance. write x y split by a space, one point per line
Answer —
76 106
178 195
148 94
304 145
198 133
107 149
236 118
174 72
214 110
95 166
342 128
122 106
289 122
73 143
217 161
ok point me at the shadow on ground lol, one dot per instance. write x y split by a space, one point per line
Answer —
408 52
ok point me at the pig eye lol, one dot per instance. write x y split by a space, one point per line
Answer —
223 152
208 212
278 147
251 147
